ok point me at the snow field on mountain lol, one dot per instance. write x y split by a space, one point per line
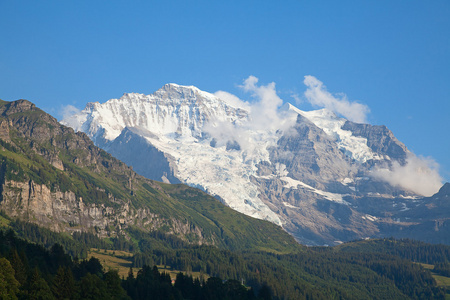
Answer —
219 172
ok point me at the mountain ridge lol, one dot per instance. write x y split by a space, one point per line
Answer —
314 174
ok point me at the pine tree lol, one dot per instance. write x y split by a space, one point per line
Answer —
37 287
64 286
113 285
18 266
130 274
92 287
9 286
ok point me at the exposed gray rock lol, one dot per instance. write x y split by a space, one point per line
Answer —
132 147
311 156
380 139
64 212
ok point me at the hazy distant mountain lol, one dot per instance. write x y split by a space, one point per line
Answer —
323 178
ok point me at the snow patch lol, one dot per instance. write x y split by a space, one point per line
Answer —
290 205
295 184
369 217
347 180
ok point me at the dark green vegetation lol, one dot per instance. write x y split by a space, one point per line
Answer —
29 271
76 245
376 269
412 250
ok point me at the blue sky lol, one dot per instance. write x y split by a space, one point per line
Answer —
392 56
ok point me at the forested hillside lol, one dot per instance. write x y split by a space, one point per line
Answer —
29 271
356 271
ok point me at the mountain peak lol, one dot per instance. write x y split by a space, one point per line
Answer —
176 91
172 110
51 176
324 114
17 106
179 86
313 115
444 190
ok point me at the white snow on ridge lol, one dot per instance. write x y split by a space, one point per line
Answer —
346 181
290 205
171 110
353 146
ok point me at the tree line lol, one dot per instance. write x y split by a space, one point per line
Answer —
30 271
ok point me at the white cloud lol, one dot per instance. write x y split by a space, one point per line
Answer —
318 96
232 100
264 112
419 175
67 111
264 116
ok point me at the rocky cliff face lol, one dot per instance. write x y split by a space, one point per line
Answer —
311 156
380 139
55 210
65 212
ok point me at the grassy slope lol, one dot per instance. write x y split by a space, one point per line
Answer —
248 231
440 280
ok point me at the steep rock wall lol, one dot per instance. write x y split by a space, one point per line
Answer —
64 212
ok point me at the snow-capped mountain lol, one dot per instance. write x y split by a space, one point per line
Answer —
178 122
312 173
